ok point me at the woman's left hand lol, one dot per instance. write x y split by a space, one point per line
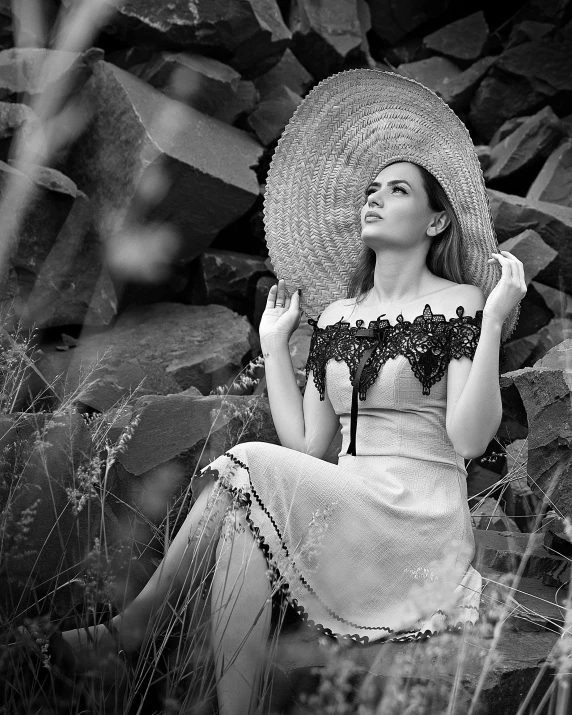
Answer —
510 289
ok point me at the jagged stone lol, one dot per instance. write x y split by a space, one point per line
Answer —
529 248
273 113
458 91
484 154
263 285
527 31
135 131
23 71
72 285
516 466
489 516
523 79
554 181
508 127
560 303
435 72
290 72
556 12
250 35
6 24
504 551
411 49
227 278
545 393
392 20
518 352
464 39
174 346
326 35
527 147
17 123
513 214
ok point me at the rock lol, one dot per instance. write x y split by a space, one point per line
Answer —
458 90
528 30
52 196
392 20
436 73
518 351
72 285
532 318
489 515
554 181
263 285
523 79
525 149
504 551
23 72
325 36
289 72
171 347
17 123
249 35
557 330
136 133
227 278
516 462
514 214
273 113
557 301
529 248
411 49
545 392
508 127
484 154
463 39
553 11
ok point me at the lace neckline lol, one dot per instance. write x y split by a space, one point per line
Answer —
381 322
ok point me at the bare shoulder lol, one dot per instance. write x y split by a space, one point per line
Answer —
471 297
334 312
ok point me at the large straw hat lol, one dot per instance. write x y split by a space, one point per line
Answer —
345 131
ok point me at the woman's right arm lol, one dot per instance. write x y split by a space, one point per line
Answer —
306 424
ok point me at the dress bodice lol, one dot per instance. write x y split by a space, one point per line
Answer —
394 370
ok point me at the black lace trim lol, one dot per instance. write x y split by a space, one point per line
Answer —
244 500
429 342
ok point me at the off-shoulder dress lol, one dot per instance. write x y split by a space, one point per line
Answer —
378 546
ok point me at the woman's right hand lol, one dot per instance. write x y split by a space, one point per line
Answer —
282 314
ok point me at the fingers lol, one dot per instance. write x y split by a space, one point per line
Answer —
278 296
512 268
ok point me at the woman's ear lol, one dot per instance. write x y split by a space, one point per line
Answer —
438 224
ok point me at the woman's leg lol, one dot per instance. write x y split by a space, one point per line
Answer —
180 572
240 617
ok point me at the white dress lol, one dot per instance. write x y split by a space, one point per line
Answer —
378 546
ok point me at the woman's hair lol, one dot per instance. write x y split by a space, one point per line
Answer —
443 257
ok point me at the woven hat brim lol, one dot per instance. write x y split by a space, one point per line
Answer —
344 132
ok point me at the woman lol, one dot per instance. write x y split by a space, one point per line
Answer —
374 192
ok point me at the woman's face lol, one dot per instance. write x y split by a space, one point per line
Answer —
398 197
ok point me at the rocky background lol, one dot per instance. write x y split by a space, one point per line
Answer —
140 258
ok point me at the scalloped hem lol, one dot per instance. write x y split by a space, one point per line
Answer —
244 500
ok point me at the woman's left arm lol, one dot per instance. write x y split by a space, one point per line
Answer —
473 417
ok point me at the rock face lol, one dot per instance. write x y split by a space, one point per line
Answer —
514 214
463 39
525 149
529 248
172 346
458 90
524 79
437 73
545 392
250 35
273 113
393 19
325 35
136 129
554 181
290 72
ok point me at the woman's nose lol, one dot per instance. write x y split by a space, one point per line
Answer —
375 198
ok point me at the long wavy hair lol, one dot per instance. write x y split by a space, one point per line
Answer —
444 255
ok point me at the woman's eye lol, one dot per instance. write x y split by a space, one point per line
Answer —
400 188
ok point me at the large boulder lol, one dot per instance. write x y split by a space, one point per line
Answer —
289 72
458 90
146 159
325 35
437 73
168 347
514 214
392 20
17 123
529 248
528 30
273 113
250 35
554 181
522 153
545 392
524 79
464 39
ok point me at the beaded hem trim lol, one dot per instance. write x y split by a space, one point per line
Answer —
244 500
429 342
